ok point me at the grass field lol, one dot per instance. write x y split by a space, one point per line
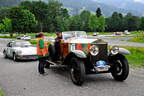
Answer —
139 37
1 92
136 58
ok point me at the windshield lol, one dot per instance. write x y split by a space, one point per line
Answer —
22 44
74 34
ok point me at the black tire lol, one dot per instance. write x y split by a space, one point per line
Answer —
51 49
120 69
5 55
77 71
14 57
47 65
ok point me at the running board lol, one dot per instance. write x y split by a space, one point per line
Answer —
53 63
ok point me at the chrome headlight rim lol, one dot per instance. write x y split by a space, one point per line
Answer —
114 50
94 50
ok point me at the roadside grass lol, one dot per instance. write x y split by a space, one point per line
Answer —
137 39
1 92
136 58
7 37
33 42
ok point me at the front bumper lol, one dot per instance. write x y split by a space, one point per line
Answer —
27 57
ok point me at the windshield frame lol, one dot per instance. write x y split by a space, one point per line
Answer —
73 34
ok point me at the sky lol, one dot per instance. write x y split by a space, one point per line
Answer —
142 1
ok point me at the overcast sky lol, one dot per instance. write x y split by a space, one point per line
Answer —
141 1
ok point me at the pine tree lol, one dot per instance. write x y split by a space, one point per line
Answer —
98 12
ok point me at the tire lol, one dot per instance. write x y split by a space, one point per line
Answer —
77 71
14 57
5 55
120 69
47 65
51 49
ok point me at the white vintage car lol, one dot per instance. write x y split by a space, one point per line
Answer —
20 50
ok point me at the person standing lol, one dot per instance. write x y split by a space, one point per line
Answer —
57 45
42 53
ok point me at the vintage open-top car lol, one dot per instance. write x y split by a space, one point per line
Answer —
84 56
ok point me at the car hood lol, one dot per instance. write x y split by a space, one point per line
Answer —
27 50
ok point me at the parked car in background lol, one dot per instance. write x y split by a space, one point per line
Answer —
117 33
95 34
25 37
20 50
83 56
126 32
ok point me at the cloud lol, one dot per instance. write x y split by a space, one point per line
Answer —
141 1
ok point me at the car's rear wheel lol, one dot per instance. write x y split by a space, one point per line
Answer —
77 71
120 69
5 55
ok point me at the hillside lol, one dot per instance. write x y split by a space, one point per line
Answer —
75 6
91 5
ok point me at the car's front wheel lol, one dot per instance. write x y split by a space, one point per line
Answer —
120 69
77 71
14 57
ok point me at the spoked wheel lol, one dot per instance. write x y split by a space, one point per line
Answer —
77 71
120 69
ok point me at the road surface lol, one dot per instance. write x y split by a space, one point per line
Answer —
22 79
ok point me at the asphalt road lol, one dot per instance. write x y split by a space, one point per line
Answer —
22 79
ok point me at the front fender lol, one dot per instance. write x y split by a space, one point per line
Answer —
79 53
124 51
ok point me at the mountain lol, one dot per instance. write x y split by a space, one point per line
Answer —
137 5
76 6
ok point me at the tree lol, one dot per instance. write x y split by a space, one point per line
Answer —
76 23
22 20
115 22
102 24
39 9
2 29
142 23
132 22
6 25
3 13
93 23
98 12
85 15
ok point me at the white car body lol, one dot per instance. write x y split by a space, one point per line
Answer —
24 52
25 37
